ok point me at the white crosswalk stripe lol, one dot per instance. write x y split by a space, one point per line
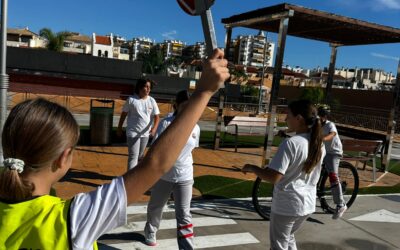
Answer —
171 224
201 242
168 208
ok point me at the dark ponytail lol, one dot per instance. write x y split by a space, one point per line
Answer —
308 111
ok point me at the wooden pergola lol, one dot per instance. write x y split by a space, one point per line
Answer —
316 25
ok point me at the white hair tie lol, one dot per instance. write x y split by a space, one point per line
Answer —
14 164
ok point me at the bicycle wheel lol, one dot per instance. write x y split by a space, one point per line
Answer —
348 177
262 197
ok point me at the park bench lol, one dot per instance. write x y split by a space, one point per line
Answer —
244 126
367 151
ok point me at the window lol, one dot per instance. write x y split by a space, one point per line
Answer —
124 51
25 39
99 53
67 44
106 53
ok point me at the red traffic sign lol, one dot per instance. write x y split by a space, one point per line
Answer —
195 7
188 6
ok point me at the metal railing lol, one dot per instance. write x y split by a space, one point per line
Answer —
357 117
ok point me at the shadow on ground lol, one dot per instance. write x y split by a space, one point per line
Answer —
75 176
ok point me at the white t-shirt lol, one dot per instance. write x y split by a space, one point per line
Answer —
95 213
333 146
295 193
140 114
183 167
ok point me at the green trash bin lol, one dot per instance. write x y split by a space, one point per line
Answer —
101 121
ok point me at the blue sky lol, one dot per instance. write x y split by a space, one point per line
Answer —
163 19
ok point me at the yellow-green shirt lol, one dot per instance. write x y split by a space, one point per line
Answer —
39 223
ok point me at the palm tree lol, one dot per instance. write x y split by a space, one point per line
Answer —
55 40
153 62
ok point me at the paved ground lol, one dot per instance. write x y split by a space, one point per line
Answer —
233 224
93 166
372 223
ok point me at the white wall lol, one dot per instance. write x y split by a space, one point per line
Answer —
103 49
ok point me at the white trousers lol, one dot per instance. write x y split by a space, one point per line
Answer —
282 229
136 147
182 192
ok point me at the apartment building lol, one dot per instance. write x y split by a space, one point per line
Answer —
121 48
194 52
172 48
24 38
252 50
78 43
141 45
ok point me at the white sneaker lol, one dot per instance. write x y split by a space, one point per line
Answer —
150 239
339 212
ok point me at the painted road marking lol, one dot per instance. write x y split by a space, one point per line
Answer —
171 224
382 215
142 209
200 242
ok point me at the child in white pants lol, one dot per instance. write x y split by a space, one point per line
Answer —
179 181
295 170
143 116
39 139
182 197
334 152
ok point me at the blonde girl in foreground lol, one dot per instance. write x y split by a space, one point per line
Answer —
38 143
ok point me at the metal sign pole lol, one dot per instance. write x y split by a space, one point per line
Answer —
3 73
283 28
392 122
331 74
262 79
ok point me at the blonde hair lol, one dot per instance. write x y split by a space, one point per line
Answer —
37 132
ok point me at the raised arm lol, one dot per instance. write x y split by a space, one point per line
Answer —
166 149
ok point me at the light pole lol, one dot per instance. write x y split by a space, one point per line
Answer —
262 78
3 73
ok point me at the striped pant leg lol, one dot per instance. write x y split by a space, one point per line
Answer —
183 196
332 162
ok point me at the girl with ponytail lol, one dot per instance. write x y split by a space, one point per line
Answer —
295 171
38 142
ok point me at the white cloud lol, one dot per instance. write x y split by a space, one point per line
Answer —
385 56
380 5
169 35
390 4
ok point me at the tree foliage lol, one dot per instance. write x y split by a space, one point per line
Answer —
153 62
317 96
250 93
55 41
314 95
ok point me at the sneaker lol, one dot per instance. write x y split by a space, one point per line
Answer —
150 239
339 212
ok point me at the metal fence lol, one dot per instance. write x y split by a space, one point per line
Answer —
367 118
375 120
